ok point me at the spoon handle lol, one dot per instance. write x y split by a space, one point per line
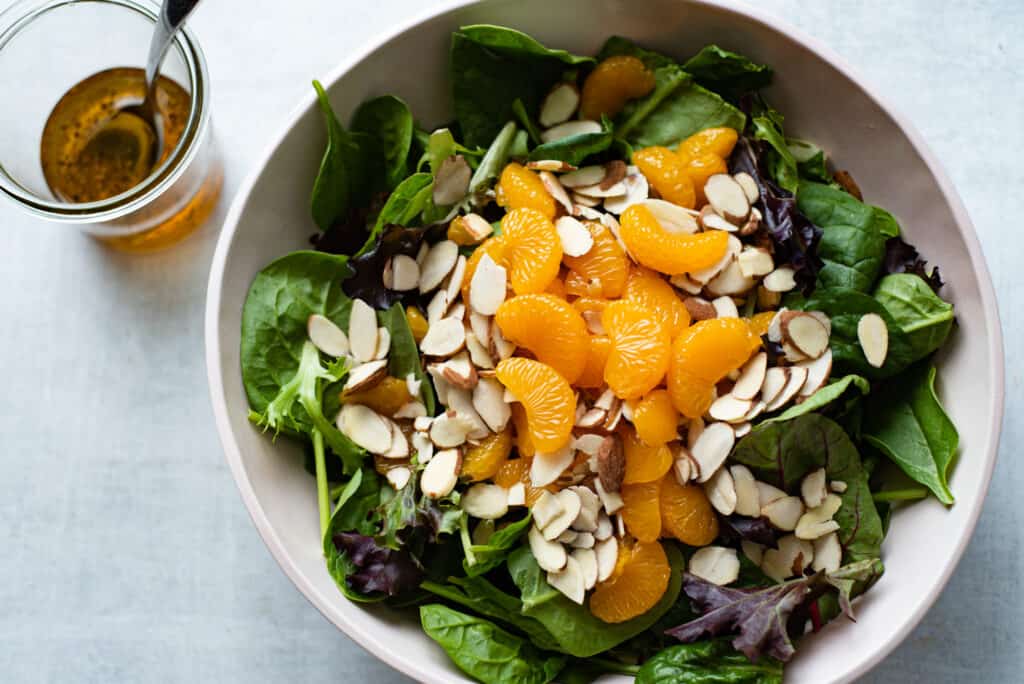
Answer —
173 14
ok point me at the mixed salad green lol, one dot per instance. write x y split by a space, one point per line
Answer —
332 356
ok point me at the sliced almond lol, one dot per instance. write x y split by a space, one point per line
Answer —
607 552
730 408
364 376
575 238
637 191
480 325
743 429
383 343
555 189
755 262
459 371
753 551
587 559
485 501
437 307
873 336
550 555
441 385
461 401
546 508
818 371
444 338
614 172
569 581
781 279
611 501
683 469
555 165
489 402
805 332
327 336
784 513
813 489
422 424
614 416
398 477
477 226
604 527
517 494
399 444
588 443
683 282
767 493
749 185
753 222
730 281
705 275
421 253
441 474
593 321
828 553
590 509
570 129
725 307
728 198
721 492
671 217
579 210
559 105
611 463
711 449
449 430
837 486
546 468
775 380
716 564
365 427
452 181
438 263
423 446
693 430
712 220
453 281
405 273
458 311
567 537
748 501
500 347
748 384
571 505
581 200
411 410
587 175
362 331
789 559
478 353
591 418
700 309
797 376
599 191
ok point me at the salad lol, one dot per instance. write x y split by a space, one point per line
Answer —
608 374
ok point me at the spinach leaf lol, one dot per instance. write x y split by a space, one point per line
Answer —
486 652
811 162
908 424
727 73
491 67
492 554
783 453
578 632
776 155
922 315
404 204
853 244
494 159
440 145
519 109
708 662
617 45
404 356
389 120
576 148
825 396
845 307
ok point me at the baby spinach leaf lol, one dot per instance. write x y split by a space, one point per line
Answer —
824 397
922 315
494 159
491 67
845 307
776 155
811 162
492 554
404 357
852 245
486 652
617 45
713 661
404 204
519 109
905 420
727 73
576 148
578 632
782 453
389 120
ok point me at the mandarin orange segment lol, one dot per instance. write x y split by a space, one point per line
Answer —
686 513
640 580
460 234
518 470
670 253
521 188
550 328
640 510
666 172
640 349
716 141
759 322
655 418
417 323
524 442
650 290
611 84
598 349
386 397
547 398
704 354
578 285
702 167
483 460
557 287
605 261
496 248
533 251
644 463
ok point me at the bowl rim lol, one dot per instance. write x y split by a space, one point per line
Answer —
366 638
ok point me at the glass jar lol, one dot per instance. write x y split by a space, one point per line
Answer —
48 46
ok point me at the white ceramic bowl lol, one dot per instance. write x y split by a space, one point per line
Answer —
822 101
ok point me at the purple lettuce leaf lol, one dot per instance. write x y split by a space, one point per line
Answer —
903 258
366 283
738 527
378 568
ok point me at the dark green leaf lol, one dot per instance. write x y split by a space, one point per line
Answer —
576 148
713 661
922 315
777 157
404 356
783 453
494 159
578 632
404 205
811 162
727 73
908 424
617 45
486 652
526 121
824 397
353 512
389 120
492 554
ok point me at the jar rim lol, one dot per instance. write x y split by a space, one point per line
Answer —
24 13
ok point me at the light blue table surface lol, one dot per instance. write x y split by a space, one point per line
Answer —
125 552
